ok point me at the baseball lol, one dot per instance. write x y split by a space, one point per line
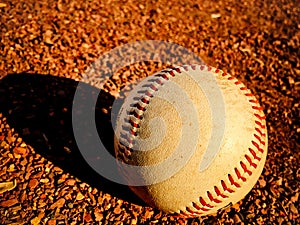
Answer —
191 140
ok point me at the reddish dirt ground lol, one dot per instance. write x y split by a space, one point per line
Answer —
46 47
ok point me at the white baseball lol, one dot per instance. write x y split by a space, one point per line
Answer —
191 140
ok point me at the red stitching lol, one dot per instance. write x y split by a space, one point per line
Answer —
186 68
243 165
124 150
254 154
243 88
133 132
260 117
225 188
218 192
153 87
233 182
140 107
224 74
196 206
237 82
249 94
172 73
192 211
159 81
178 70
202 67
260 124
250 161
199 208
230 78
203 202
189 210
184 213
149 94
217 71
257 146
134 124
209 68
145 101
259 139
136 115
193 67
238 173
260 132
257 107
127 153
164 76
212 198
253 101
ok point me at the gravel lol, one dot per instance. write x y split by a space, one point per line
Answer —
46 47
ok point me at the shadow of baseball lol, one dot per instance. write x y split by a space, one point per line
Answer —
39 108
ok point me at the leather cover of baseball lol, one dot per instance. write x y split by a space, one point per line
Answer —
191 140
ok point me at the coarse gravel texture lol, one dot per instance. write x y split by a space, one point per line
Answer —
45 49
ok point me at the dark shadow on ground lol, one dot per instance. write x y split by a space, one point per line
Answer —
39 108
